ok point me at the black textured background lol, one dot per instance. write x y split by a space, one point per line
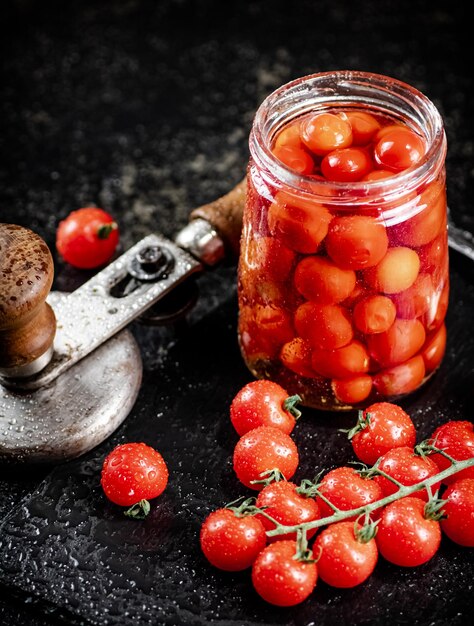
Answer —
144 108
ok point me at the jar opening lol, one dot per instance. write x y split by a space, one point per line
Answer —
357 90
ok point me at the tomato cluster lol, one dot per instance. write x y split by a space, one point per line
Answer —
351 516
344 303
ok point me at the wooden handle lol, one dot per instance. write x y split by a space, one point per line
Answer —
225 214
27 322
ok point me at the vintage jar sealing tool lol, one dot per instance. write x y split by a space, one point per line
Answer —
70 371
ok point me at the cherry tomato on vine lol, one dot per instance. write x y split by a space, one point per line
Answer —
263 403
405 536
281 579
282 501
345 488
344 559
407 468
456 438
132 473
87 238
231 542
459 511
261 450
381 427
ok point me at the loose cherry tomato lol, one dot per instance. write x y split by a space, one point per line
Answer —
343 362
352 390
320 280
381 427
374 314
344 560
296 356
263 403
261 450
456 438
407 468
324 132
346 165
356 241
399 149
281 579
301 224
404 536
459 511
87 238
326 326
364 126
434 349
416 300
401 379
282 501
396 272
346 489
231 542
133 472
397 344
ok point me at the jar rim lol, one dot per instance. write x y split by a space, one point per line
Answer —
407 180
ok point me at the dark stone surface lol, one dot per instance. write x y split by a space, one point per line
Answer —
144 108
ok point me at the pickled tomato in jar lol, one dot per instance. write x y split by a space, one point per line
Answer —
343 271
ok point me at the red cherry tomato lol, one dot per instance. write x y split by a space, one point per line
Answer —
294 157
381 427
133 472
356 241
399 149
459 511
263 330
289 136
374 314
320 280
396 272
87 238
231 542
344 560
364 126
456 438
398 344
263 403
296 356
401 379
346 489
263 449
428 223
416 300
326 326
281 579
407 468
324 132
346 165
404 536
282 502
343 362
269 259
352 390
300 224
434 349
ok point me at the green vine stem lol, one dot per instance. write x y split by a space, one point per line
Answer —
403 491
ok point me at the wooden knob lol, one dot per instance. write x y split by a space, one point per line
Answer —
225 214
27 322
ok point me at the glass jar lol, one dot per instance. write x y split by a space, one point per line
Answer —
343 286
